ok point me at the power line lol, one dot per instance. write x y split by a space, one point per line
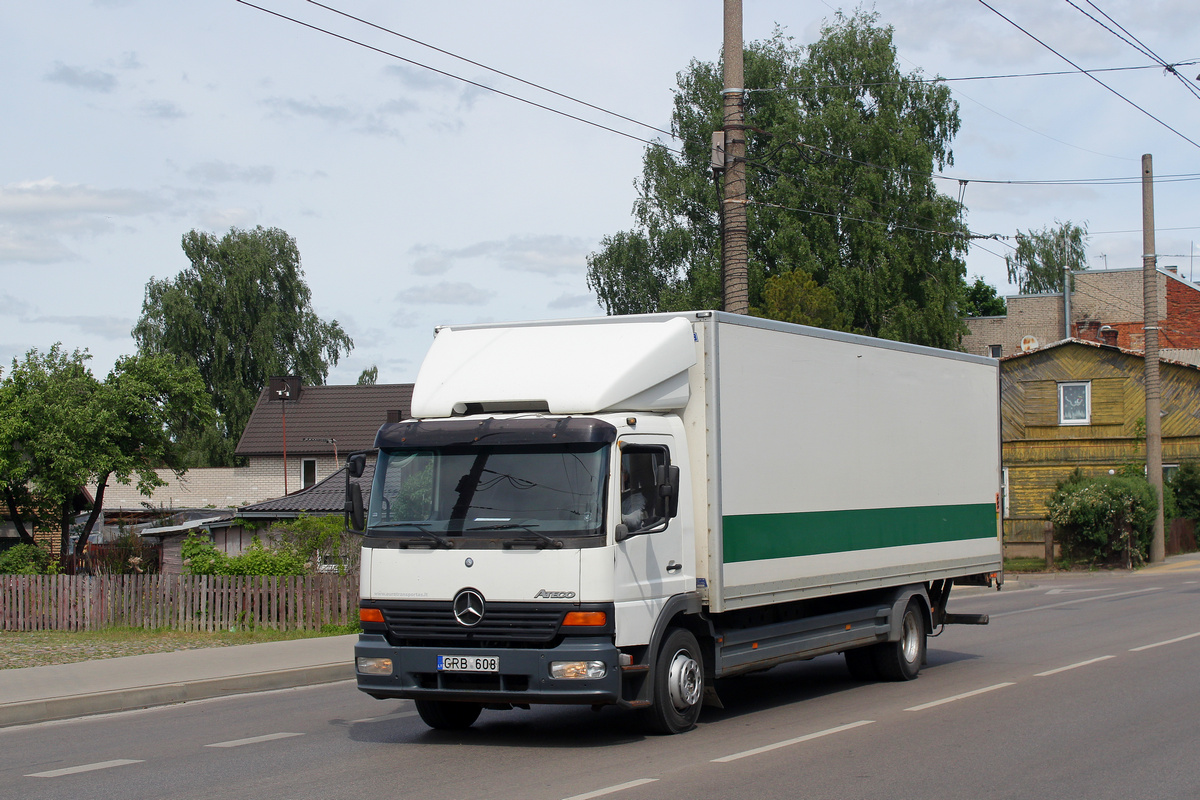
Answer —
490 69
443 73
1093 77
1136 44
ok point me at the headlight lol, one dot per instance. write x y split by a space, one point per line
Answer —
374 666
568 670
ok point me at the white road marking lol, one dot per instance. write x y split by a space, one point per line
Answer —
57 773
1072 666
962 696
270 737
790 742
611 789
1072 602
1160 644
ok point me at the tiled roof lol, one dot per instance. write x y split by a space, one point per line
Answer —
325 497
349 414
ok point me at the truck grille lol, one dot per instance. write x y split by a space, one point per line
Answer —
502 622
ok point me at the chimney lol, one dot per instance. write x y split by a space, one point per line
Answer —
1087 329
1108 335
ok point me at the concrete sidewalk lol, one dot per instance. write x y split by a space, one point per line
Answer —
37 694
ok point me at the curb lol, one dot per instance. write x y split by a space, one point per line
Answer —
56 708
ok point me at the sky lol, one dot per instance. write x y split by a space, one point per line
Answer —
418 199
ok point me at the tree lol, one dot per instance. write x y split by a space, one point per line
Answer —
981 300
61 429
795 297
240 313
841 147
369 376
1041 257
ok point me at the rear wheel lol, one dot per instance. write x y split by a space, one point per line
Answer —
445 715
901 660
678 684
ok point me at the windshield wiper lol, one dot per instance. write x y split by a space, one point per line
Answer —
535 537
440 541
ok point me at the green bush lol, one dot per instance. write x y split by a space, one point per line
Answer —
1104 520
320 540
201 558
1185 483
26 559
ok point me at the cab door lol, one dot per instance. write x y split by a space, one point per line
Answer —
650 565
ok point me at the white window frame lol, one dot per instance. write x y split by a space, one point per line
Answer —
995 350
1004 492
1087 402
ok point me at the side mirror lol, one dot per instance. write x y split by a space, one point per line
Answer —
621 532
355 464
355 518
667 478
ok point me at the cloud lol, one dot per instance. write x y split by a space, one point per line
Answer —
162 109
543 255
13 307
110 328
48 197
334 115
30 249
221 219
569 301
34 215
446 293
91 80
224 172
421 80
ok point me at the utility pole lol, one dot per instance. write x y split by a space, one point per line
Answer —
1158 549
735 241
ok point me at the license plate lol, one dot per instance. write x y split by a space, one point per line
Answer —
468 663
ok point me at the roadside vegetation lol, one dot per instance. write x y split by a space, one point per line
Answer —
46 648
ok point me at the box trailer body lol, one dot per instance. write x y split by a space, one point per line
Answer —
622 510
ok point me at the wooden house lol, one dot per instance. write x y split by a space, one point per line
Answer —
1081 404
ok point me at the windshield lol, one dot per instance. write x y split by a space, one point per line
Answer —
493 492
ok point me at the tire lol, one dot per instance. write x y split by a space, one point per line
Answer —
861 663
678 684
446 715
902 660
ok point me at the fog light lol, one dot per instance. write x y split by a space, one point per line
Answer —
569 670
374 666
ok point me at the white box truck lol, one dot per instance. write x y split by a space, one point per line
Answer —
620 511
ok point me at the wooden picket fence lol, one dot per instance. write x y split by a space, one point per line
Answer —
180 602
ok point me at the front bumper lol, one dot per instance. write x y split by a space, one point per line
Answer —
523 678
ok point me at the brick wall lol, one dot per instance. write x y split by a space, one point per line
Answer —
1102 297
221 487
1040 316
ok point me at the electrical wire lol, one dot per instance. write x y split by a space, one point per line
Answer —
491 69
1190 141
443 73
1136 44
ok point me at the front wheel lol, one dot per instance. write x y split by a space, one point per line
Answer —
678 684
901 660
445 715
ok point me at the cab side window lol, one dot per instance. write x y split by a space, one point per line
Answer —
642 506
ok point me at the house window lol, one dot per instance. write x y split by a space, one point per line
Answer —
1075 403
308 472
1004 492
994 351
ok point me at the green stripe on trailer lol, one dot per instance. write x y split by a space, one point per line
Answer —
753 537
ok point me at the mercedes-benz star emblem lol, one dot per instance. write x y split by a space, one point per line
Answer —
468 607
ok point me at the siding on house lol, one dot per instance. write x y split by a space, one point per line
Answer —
1038 452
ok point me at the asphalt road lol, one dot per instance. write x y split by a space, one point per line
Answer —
1081 687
